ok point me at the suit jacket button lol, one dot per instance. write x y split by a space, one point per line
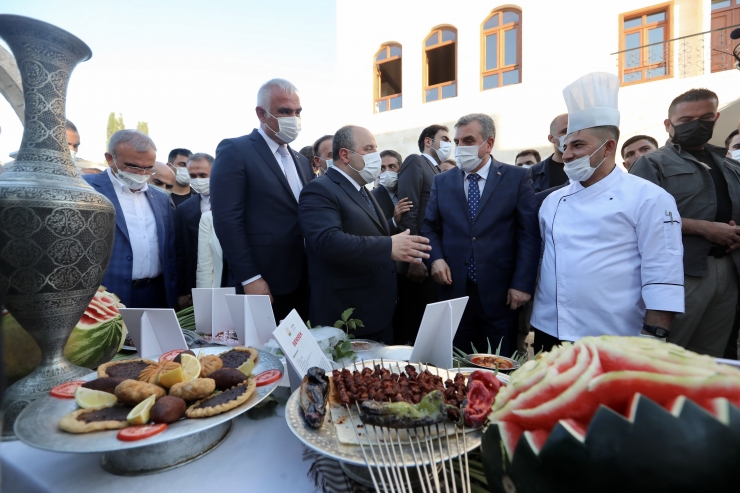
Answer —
473 238
129 258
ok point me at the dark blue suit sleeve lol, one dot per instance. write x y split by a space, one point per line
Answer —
528 238
432 228
180 252
410 183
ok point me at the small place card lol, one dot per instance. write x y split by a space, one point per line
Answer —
252 318
153 330
300 349
438 327
211 312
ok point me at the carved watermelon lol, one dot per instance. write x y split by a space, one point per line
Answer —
99 334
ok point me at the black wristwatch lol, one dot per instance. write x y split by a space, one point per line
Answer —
655 330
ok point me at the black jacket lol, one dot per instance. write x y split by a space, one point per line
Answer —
187 222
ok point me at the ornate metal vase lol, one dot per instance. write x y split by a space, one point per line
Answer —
56 232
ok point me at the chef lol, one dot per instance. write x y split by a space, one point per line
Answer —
613 257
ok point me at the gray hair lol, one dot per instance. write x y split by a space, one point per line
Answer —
200 156
139 141
344 138
263 95
486 122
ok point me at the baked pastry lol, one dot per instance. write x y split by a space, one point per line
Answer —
104 384
129 368
168 409
133 392
226 378
152 372
95 419
236 357
209 364
194 390
223 401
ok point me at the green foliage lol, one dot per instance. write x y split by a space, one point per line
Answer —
143 127
114 125
343 349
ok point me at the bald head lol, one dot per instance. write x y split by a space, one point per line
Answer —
163 176
558 128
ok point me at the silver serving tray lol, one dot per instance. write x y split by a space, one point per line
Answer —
470 357
37 425
324 440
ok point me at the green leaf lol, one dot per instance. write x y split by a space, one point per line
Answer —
474 350
308 324
498 349
346 346
350 336
338 324
347 313
489 345
351 324
358 322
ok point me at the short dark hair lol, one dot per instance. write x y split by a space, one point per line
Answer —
526 152
199 156
451 161
394 154
610 131
307 151
692 96
178 152
344 138
318 143
70 126
729 138
634 139
430 132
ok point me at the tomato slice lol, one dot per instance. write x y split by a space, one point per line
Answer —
170 355
66 390
133 433
268 377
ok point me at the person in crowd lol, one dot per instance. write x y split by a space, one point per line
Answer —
482 226
386 192
182 191
549 173
322 155
142 270
612 243
732 144
256 183
416 289
187 223
636 147
706 187
73 139
210 271
163 177
527 158
351 252
307 152
447 165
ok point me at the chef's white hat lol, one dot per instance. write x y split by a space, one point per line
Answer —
592 101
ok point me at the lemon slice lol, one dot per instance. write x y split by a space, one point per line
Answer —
87 398
190 367
247 367
170 378
140 414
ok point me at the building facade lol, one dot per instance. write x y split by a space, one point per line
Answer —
403 65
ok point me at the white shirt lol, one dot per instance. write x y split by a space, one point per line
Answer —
205 203
351 180
611 252
483 173
430 158
142 229
210 256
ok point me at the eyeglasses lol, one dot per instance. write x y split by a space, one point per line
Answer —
137 169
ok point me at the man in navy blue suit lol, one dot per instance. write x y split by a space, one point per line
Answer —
255 184
351 252
482 225
142 269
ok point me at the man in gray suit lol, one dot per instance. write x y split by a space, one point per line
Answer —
416 288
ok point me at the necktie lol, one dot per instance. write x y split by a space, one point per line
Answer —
290 171
473 200
363 192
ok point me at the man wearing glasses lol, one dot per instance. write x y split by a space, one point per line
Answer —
142 266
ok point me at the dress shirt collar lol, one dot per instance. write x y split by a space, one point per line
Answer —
351 180
430 158
483 172
121 187
392 193
270 143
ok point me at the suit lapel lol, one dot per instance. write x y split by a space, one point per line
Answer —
494 177
355 195
380 214
300 170
269 158
158 215
435 169
106 187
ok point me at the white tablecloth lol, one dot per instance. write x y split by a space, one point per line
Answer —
258 456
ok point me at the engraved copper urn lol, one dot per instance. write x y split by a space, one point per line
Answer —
56 232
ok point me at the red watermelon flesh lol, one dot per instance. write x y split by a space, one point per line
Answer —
510 434
537 439
520 382
615 358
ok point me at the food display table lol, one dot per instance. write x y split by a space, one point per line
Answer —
259 455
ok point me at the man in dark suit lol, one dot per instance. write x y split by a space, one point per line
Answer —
142 269
351 252
549 173
187 223
482 225
255 183
386 193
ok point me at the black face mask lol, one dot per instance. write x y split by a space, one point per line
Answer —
693 134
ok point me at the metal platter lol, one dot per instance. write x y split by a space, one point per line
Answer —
470 357
37 425
324 440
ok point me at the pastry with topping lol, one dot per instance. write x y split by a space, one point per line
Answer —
236 357
223 401
95 419
129 368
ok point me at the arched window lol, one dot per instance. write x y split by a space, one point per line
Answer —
501 51
440 67
387 86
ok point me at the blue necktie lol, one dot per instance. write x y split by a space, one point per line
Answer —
363 192
473 200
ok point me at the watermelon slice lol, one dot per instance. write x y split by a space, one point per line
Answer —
510 434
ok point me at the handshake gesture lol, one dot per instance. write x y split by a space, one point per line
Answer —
408 248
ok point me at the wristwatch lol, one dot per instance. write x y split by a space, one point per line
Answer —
655 330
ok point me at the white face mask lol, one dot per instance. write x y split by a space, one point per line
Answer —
526 166
73 153
131 180
329 162
736 154
467 157
288 127
371 170
444 150
182 177
201 185
580 169
561 146
389 179
163 190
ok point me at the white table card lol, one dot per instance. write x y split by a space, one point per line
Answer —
438 327
252 318
300 349
211 312
153 330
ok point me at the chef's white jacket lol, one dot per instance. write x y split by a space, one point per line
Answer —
610 251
